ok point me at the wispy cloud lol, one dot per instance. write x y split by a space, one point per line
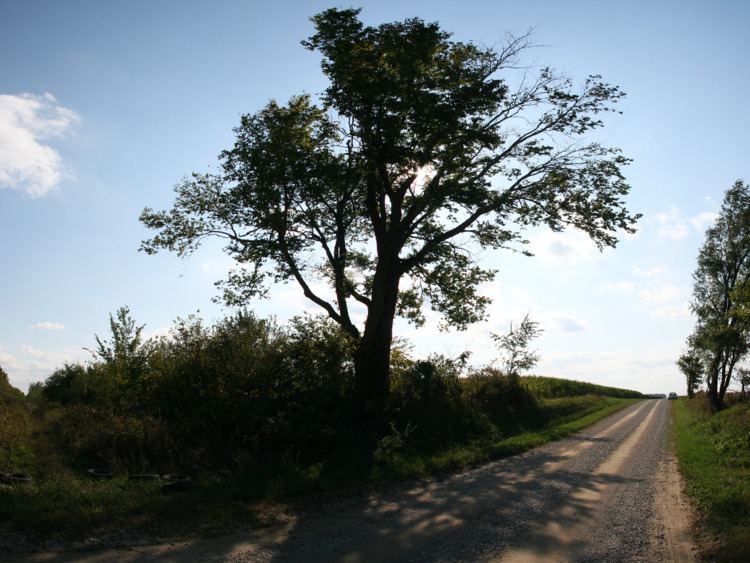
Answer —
27 164
649 273
673 225
26 363
665 300
655 291
8 361
569 247
702 221
563 323
47 325
620 287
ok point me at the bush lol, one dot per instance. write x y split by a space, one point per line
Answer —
94 437
427 404
243 392
509 405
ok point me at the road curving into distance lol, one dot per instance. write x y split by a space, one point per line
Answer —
608 493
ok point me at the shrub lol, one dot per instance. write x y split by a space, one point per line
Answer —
9 395
427 399
509 405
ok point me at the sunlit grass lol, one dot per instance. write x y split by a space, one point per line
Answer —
714 457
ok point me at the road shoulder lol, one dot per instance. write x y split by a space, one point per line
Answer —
674 515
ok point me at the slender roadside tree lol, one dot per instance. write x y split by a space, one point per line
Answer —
515 346
742 376
419 153
720 293
691 364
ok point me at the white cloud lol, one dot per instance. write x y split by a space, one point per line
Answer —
47 325
568 247
8 361
563 323
662 293
672 224
703 221
677 312
661 298
665 300
27 164
649 273
28 364
620 287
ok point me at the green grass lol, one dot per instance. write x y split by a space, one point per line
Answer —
71 506
568 415
714 457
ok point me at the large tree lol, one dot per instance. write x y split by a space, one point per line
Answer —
720 296
420 152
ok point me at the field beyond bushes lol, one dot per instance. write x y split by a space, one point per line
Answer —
255 412
714 457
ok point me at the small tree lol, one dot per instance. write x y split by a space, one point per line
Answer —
743 378
720 296
517 356
124 354
418 154
691 365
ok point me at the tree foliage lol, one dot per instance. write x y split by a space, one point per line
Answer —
8 394
515 345
421 151
720 296
691 364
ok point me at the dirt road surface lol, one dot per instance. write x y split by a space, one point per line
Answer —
609 493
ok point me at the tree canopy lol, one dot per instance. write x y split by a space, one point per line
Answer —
421 151
720 296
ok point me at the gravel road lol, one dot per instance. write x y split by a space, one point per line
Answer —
609 493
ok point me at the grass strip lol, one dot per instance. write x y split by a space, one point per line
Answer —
463 457
714 457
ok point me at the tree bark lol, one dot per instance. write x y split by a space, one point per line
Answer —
712 391
714 400
373 356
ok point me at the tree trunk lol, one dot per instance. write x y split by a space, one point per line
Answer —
715 400
373 356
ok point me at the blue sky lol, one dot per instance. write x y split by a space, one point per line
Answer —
104 106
